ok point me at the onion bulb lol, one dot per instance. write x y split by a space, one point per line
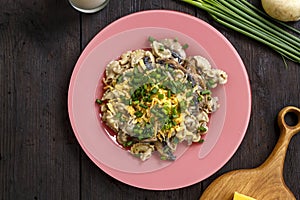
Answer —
283 10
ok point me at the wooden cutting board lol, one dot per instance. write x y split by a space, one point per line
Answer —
264 182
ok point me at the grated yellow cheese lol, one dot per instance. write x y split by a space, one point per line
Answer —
239 196
130 110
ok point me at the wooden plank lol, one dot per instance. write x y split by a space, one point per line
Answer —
39 154
95 183
273 87
267 101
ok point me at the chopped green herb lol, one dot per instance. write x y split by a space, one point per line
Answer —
173 123
143 106
174 111
199 98
143 92
137 131
154 90
148 126
99 101
204 92
167 65
185 46
163 158
138 114
151 39
136 71
161 48
145 86
118 115
158 76
175 140
167 127
147 98
128 143
165 110
202 129
182 106
120 79
210 83
169 94
160 96
189 94
136 102
175 116
201 141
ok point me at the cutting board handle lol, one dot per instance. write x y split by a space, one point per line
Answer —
265 181
286 129
276 159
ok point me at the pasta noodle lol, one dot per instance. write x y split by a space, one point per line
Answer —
157 98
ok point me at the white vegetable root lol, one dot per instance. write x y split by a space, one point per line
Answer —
283 10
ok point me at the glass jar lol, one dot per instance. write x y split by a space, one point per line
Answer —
88 6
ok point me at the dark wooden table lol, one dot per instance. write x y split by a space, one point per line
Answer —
40 158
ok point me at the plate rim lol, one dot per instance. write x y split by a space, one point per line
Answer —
91 45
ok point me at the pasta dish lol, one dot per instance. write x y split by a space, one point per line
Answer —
156 98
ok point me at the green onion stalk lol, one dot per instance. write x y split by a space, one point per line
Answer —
243 17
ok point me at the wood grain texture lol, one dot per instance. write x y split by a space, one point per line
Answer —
38 150
40 42
265 181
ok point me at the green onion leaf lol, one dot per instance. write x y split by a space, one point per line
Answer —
169 93
128 143
201 140
248 20
161 48
138 114
175 116
163 158
118 115
143 106
185 46
151 39
202 129
205 92
99 101
154 90
136 102
199 98
160 96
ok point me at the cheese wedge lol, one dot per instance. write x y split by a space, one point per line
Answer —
239 196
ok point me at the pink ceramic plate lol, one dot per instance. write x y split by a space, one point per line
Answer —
194 163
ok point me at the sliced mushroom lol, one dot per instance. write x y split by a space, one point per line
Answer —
142 150
160 50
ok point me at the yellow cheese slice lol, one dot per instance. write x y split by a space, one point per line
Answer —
239 196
